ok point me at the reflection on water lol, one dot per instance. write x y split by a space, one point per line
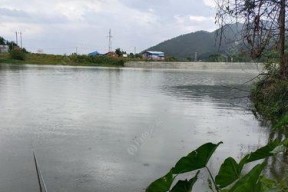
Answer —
228 95
81 122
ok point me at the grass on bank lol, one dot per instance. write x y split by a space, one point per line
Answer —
45 59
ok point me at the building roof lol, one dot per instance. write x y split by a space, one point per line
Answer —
94 53
155 52
111 53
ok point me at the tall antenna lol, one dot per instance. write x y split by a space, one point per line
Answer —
21 40
16 37
110 41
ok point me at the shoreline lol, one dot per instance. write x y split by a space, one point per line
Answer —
163 66
196 65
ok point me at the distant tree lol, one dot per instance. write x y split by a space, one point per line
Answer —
131 55
240 57
2 41
118 52
170 58
216 58
25 50
12 45
139 56
264 25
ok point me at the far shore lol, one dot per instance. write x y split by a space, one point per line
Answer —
154 65
199 66
75 60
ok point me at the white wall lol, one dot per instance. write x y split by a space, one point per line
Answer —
213 66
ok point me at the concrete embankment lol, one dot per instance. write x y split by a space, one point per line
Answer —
210 66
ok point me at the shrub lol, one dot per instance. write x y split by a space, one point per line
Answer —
17 54
270 98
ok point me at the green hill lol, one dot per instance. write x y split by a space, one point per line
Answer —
203 42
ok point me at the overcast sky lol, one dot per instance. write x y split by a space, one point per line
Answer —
59 26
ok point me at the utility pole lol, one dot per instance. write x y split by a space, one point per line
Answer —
134 50
196 56
110 41
21 40
16 37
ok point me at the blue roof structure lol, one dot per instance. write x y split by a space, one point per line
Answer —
94 53
159 53
154 55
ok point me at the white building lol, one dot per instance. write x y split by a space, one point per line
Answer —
4 48
154 55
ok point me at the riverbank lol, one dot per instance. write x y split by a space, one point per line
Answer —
71 60
270 99
215 66
107 61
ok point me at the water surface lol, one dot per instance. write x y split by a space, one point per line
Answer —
99 129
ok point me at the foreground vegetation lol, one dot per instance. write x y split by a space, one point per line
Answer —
231 177
270 98
270 94
264 40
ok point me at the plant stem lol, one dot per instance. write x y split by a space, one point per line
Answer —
37 171
215 186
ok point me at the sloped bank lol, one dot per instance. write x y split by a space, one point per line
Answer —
226 66
270 98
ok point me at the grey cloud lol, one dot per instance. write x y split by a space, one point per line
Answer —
13 13
168 8
49 19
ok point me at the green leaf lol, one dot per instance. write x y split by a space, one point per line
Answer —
162 184
196 159
260 153
250 182
269 185
229 172
281 123
185 186
285 142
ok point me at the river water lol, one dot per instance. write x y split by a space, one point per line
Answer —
105 129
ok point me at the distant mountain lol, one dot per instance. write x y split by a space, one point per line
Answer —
203 42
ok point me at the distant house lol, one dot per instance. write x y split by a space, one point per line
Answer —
94 53
154 55
4 48
111 54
